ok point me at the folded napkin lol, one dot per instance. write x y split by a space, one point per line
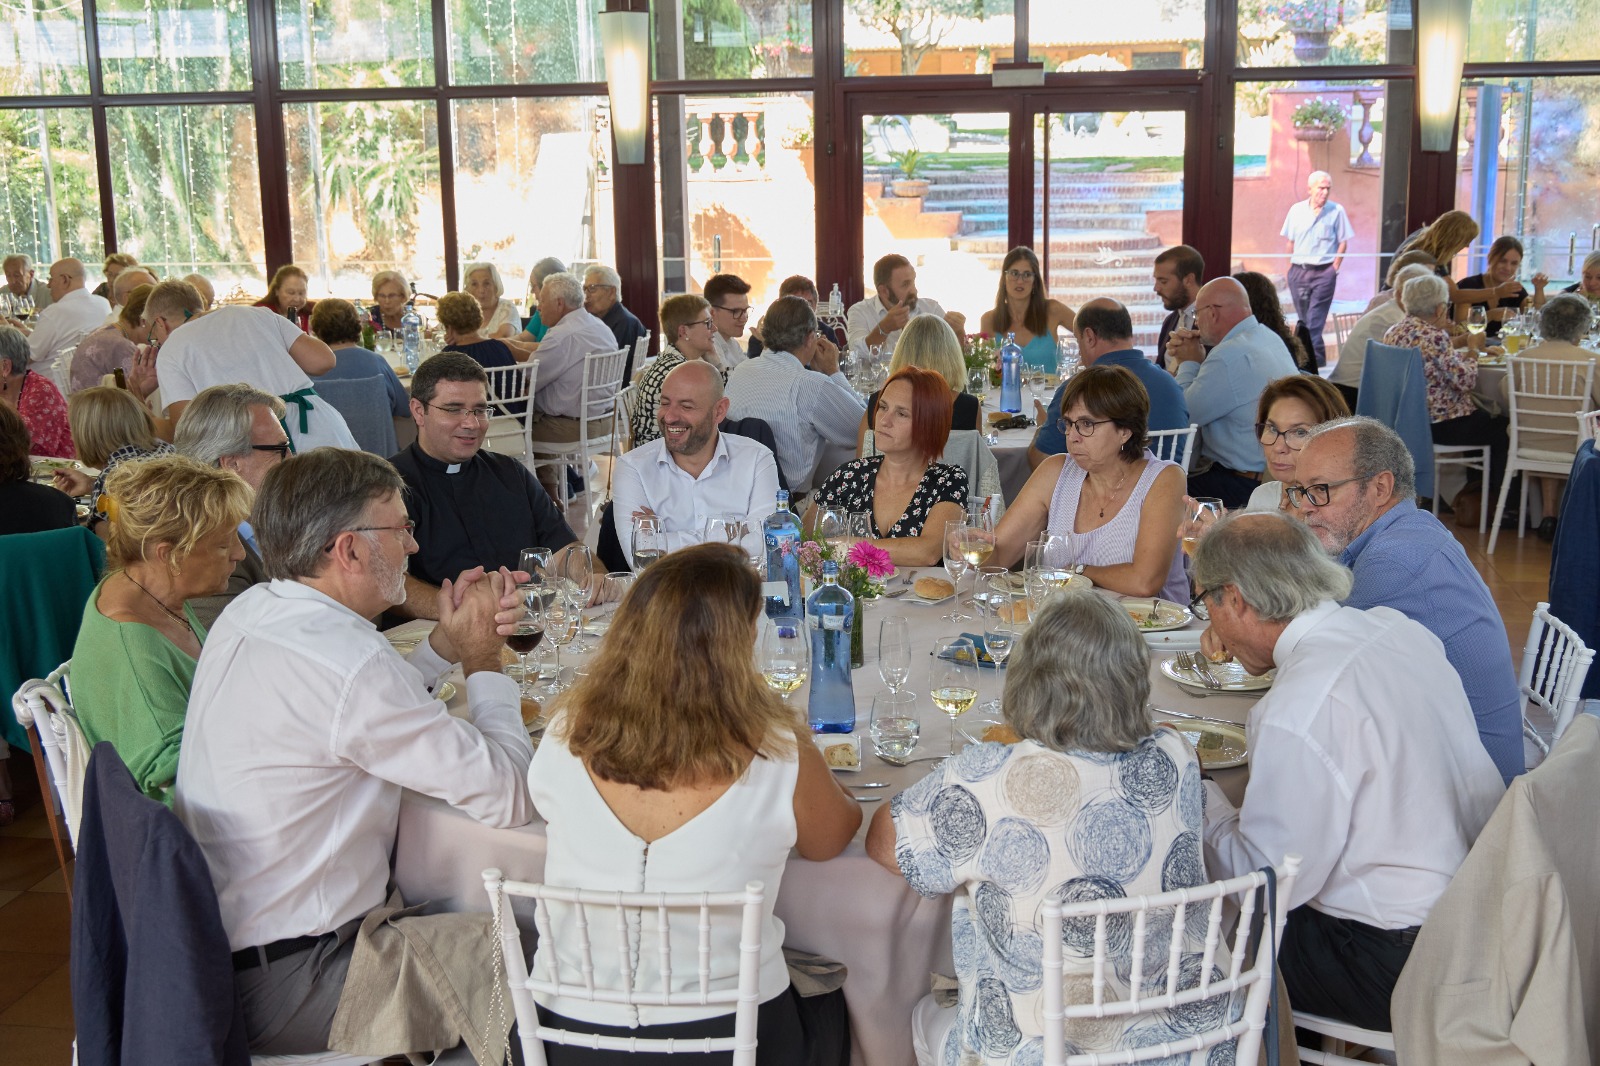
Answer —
985 660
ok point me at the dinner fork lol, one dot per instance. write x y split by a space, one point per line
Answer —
1190 661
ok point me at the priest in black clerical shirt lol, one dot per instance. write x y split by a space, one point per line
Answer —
471 507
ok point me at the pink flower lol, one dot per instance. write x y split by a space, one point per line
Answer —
810 555
871 558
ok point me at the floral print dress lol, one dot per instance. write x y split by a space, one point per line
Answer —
853 486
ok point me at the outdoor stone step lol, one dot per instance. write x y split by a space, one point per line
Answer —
1083 242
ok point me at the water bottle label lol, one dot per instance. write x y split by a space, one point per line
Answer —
833 621
776 590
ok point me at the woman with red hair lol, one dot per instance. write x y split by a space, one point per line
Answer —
909 495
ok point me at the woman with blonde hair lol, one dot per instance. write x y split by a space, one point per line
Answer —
286 295
109 427
112 347
174 535
928 342
681 771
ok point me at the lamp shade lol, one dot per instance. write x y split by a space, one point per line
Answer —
625 36
1441 48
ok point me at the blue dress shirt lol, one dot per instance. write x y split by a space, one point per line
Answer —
1222 392
1168 408
1408 560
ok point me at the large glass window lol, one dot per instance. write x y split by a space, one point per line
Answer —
737 158
49 194
935 192
515 158
1108 196
1532 30
519 42
187 190
148 47
926 36
1129 35
1304 33
348 44
364 193
706 39
42 49
1529 165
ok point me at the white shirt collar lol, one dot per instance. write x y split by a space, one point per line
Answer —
1298 629
719 454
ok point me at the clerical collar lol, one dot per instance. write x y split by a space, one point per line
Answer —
428 462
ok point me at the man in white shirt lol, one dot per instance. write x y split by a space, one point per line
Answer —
572 335
1364 756
797 389
729 297
22 283
304 726
693 471
879 319
74 312
197 349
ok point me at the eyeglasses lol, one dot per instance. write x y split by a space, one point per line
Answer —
408 528
1319 494
1198 604
1020 275
596 288
1084 426
1267 433
454 410
281 449
736 312
706 322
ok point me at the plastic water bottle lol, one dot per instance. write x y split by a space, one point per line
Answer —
830 613
411 336
835 302
781 532
1011 375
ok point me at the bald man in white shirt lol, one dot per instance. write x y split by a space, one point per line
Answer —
73 313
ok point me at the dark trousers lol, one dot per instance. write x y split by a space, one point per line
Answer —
1222 483
1311 288
1349 393
1480 427
1342 969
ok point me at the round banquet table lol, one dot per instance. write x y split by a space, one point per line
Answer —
848 908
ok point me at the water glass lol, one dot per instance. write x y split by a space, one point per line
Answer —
577 574
649 541
894 727
894 651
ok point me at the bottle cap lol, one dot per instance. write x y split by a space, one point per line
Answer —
830 568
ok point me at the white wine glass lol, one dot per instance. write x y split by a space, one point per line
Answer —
976 545
894 727
999 636
955 564
1477 319
1201 516
894 651
1056 555
953 679
783 655
561 624
649 541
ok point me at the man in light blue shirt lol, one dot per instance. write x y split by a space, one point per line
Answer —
1104 330
1356 488
1222 386
1318 233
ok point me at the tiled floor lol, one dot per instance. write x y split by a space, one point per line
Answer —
35 1002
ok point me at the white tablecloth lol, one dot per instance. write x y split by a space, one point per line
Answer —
848 908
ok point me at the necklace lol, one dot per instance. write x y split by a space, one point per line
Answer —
1107 499
176 617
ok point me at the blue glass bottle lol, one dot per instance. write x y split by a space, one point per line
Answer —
1011 375
781 532
830 612
411 337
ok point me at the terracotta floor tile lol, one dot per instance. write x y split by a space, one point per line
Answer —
47 1005
36 923
31 820
25 861
34 1046
20 973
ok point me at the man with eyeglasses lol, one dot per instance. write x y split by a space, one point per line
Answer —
304 726
686 334
602 298
1221 387
471 507
573 335
22 282
73 313
1362 761
729 298
1104 330
236 427
878 320
1355 488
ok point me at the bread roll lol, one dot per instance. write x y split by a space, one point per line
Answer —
933 588
841 757
1019 610
1000 733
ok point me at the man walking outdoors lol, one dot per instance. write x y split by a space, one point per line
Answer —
1318 232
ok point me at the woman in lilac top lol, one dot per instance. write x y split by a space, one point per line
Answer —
1118 502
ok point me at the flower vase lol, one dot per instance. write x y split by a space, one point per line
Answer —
858 643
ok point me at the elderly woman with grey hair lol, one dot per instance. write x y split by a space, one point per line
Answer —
34 397
1092 802
1450 374
482 282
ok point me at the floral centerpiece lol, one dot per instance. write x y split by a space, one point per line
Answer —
981 353
861 571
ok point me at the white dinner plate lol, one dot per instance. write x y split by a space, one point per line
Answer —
1157 615
1231 674
1220 747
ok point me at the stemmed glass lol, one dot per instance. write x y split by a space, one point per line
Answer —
953 679
529 631
1067 358
894 651
613 587
535 589
1477 319
724 529
955 564
977 540
999 634
978 384
561 624
860 527
649 541
577 571
1053 559
783 656
1204 513
833 528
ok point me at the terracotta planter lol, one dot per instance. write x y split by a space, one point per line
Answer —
1312 46
910 187
1314 133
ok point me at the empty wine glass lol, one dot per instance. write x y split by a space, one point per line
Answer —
833 528
953 679
649 541
561 624
999 634
783 655
613 587
724 529
577 573
955 564
894 651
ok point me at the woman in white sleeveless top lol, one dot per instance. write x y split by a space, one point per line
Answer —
1119 502
671 767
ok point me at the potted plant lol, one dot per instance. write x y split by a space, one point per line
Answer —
910 163
1312 22
800 141
1317 120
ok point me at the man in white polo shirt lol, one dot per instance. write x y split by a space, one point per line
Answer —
73 313
879 319
692 471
